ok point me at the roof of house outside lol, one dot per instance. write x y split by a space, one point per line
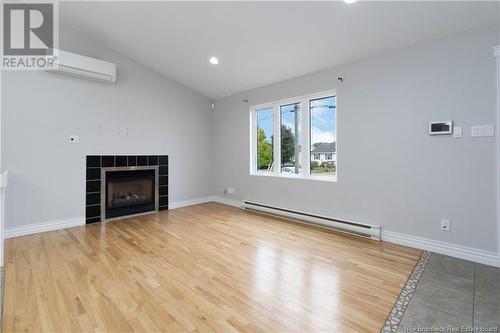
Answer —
324 147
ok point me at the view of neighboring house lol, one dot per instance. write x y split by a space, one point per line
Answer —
324 152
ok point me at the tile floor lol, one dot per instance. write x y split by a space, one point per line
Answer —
454 295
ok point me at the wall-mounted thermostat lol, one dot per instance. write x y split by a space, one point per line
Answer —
441 127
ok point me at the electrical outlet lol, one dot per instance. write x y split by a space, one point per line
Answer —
445 225
229 191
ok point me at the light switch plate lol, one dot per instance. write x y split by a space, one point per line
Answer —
457 132
481 131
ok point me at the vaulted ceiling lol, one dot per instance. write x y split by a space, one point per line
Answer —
259 43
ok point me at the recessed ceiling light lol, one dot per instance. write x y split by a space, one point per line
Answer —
350 1
214 61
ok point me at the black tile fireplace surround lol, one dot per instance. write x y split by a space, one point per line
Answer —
95 164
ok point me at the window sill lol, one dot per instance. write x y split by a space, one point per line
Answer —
329 179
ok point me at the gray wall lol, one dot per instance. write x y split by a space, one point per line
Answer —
391 172
40 110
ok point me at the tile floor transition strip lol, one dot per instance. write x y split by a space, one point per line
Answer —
393 321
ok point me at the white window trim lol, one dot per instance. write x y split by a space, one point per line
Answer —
306 137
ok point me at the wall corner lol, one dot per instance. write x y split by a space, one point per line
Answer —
496 53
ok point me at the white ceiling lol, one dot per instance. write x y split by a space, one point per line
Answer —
259 43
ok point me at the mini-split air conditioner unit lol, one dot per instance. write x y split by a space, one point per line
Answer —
83 67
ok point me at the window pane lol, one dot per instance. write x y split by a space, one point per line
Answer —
323 136
290 138
265 125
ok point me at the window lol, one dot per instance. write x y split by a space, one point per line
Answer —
307 130
265 145
322 114
290 137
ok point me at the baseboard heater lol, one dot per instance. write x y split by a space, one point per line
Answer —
359 229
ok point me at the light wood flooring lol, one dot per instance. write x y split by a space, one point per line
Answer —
205 268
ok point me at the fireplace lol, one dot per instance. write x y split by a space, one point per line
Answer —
122 185
128 191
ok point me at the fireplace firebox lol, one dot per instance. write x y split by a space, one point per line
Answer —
129 190
124 185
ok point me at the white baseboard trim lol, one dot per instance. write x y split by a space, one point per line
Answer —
453 250
227 201
36 228
189 202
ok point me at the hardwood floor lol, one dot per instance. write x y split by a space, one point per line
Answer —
205 268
